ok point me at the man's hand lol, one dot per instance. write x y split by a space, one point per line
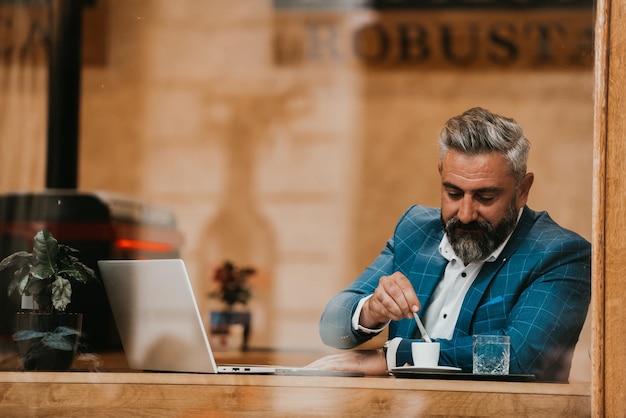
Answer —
370 362
394 298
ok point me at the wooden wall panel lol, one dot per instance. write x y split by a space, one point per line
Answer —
609 383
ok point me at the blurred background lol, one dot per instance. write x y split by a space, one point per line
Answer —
288 136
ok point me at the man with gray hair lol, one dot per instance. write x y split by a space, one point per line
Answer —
484 263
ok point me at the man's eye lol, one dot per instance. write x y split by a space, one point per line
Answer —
455 195
485 199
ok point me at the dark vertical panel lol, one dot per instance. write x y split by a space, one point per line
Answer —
64 94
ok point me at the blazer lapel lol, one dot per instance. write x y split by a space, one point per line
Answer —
475 294
426 279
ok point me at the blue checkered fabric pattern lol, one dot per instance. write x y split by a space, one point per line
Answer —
537 292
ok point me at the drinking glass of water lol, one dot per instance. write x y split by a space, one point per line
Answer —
492 354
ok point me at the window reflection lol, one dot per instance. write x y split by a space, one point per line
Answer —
322 123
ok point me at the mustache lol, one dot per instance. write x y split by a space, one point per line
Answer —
455 223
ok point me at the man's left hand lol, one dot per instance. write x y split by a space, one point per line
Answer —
370 362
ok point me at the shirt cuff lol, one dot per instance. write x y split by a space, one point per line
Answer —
357 314
392 349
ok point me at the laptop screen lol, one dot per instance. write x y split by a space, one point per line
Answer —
157 316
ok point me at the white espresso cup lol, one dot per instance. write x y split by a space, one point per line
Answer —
425 354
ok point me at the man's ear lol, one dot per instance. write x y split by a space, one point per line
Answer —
524 188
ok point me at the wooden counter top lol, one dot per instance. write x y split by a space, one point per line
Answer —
127 393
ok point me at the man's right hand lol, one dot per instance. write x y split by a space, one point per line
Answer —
394 299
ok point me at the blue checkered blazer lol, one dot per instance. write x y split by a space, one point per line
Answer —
537 292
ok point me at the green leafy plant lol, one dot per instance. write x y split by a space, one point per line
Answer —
233 284
48 273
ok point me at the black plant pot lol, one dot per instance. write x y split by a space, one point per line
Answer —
47 341
222 323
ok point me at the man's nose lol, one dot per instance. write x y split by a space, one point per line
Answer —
467 210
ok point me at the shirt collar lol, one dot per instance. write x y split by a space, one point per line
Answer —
446 250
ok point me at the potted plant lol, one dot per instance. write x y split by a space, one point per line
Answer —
47 337
233 290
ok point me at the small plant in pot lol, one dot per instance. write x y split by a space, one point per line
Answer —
233 289
47 336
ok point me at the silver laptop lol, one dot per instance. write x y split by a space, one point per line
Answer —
159 323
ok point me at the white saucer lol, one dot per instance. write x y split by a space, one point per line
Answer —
436 369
